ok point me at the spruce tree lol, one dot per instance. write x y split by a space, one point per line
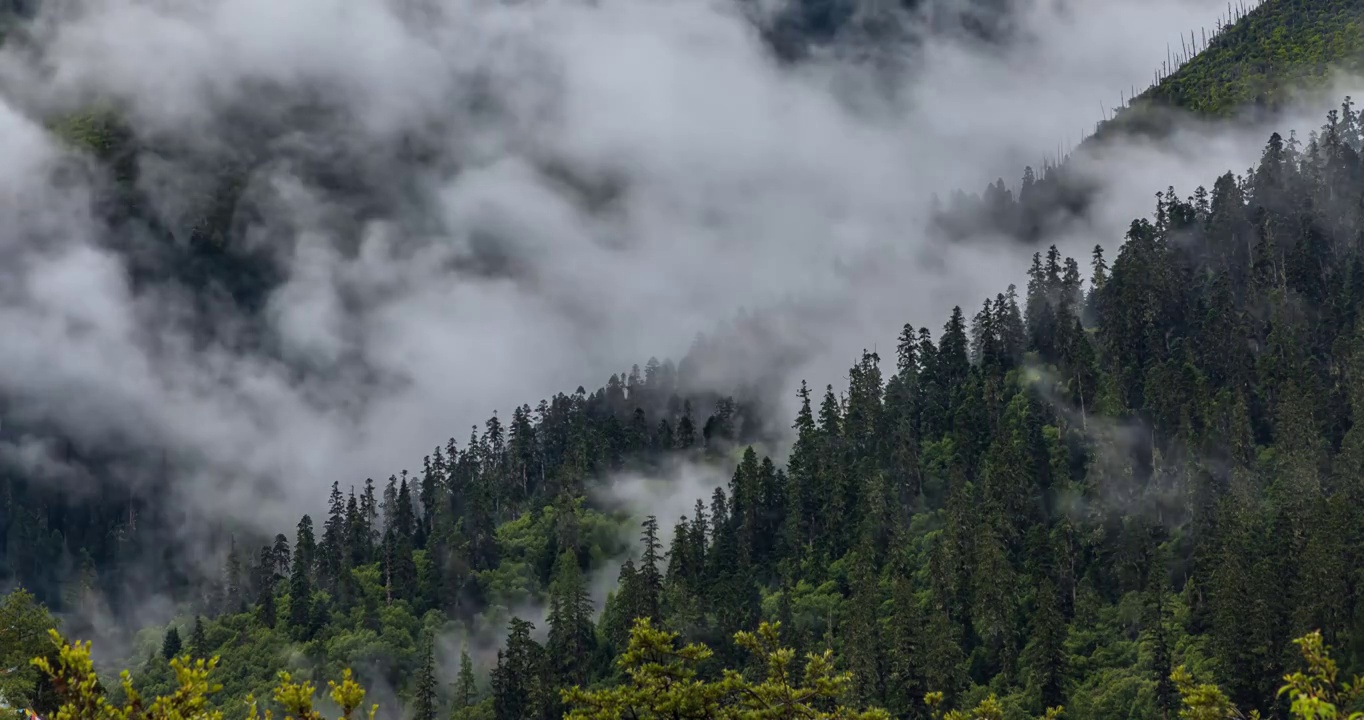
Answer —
650 570
300 591
1044 658
571 638
233 600
280 552
170 644
686 428
305 549
619 615
369 519
906 683
332 547
424 700
266 612
466 690
802 469
518 682
862 637
198 643
1157 635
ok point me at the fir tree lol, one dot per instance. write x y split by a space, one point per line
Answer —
300 585
424 700
466 689
517 680
266 613
170 644
198 643
571 637
650 570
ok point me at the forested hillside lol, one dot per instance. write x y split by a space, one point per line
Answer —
113 536
1278 52
1278 49
1135 464
1057 500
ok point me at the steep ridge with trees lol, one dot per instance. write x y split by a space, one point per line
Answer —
1254 64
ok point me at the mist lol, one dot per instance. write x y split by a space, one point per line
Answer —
520 199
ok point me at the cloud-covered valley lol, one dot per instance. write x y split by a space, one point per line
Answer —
469 205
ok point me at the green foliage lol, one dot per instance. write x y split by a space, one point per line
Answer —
424 705
663 681
24 628
82 696
1276 50
99 131
1318 694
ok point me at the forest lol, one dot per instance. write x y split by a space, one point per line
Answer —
1058 501
1133 488
1254 63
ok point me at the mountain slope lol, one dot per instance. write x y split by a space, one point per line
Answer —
1278 50
1056 502
1054 499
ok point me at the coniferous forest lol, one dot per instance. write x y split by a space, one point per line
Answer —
1133 488
1056 500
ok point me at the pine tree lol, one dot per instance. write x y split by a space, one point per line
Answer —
233 599
305 549
802 469
650 570
830 498
170 644
466 690
399 566
861 636
680 555
906 682
1044 658
1157 635
369 519
424 700
280 552
517 680
619 615
686 428
265 607
300 585
571 638
198 643
332 548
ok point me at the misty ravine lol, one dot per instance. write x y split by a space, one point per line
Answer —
281 285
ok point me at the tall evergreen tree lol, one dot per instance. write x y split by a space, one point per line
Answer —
571 641
650 570
170 644
424 699
300 584
198 642
518 683
466 688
